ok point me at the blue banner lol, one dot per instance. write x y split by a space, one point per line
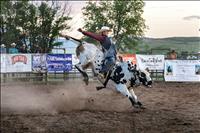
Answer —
59 62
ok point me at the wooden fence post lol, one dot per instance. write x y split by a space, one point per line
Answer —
46 77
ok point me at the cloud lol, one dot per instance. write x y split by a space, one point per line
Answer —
191 17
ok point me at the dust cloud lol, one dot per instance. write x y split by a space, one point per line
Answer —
53 98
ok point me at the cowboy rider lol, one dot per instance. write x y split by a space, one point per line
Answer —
108 48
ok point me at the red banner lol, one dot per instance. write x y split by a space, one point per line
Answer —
129 57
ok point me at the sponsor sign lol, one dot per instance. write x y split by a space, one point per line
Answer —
152 62
3 63
18 63
39 63
182 70
59 62
129 57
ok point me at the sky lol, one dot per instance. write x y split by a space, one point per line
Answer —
164 18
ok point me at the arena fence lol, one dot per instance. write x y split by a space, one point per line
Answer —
60 67
45 77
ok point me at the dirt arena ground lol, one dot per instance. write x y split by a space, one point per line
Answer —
72 107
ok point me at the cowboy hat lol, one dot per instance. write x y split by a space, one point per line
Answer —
3 45
13 44
105 28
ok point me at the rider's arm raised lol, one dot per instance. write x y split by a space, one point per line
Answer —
97 37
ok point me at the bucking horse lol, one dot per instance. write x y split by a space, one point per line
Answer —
124 74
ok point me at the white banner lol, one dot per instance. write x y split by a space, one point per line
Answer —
3 63
18 63
152 62
39 63
182 70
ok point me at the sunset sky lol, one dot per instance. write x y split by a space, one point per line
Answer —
164 18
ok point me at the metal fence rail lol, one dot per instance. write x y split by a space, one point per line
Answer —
157 75
42 77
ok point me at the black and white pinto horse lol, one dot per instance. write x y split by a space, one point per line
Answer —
124 74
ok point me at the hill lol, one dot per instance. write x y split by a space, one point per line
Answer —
179 44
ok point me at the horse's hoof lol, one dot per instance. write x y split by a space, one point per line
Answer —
99 87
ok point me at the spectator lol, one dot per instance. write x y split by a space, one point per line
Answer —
20 41
172 55
3 49
37 49
23 49
13 49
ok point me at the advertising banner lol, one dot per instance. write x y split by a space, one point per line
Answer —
182 70
129 57
152 62
18 63
59 62
39 63
3 63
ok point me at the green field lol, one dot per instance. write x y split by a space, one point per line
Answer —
179 44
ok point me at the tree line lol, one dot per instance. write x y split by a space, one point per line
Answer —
25 22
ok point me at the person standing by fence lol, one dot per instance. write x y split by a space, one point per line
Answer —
23 49
36 49
13 49
172 55
3 49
